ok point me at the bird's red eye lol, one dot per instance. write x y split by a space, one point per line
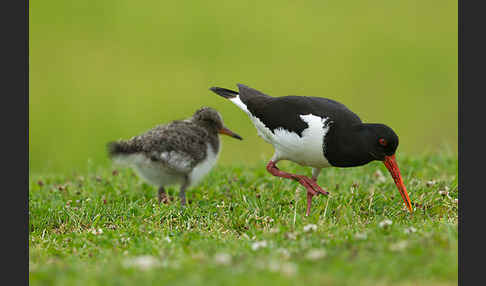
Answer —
382 141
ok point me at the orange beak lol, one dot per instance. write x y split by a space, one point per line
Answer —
392 166
228 132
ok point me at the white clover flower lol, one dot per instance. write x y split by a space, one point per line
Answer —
288 269
430 183
310 227
259 244
220 205
361 236
284 252
245 236
379 176
385 223
444 191
96 231
222 258
274 230
199 256
410 230
143 262
315 254
399 246
291 235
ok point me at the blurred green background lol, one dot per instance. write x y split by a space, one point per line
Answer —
103 70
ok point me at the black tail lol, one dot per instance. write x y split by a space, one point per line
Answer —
226 93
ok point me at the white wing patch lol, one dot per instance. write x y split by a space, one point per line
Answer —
307 150
179 161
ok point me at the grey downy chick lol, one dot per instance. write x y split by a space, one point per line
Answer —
181 152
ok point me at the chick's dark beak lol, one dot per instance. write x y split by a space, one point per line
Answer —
392 166
228 132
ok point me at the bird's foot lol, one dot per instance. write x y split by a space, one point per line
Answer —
165 199
312 189
311 185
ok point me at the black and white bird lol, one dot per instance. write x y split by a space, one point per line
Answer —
181 152
316 132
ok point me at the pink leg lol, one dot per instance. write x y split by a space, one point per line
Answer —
311 185
309 203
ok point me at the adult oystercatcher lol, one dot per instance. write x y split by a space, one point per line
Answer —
181 152
316 132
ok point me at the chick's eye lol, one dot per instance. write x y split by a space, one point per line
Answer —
382 141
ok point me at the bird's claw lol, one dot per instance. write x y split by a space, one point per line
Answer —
311 186
165 199
316 187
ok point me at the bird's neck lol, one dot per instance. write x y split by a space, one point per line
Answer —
213 137
212 134
346 146
215 144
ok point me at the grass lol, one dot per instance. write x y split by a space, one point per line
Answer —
245 227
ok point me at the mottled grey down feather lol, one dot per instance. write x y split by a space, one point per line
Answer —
179 145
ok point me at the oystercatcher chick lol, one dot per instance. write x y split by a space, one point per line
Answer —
181 152
316 132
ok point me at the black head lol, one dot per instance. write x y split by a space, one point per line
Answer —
381 141
210 119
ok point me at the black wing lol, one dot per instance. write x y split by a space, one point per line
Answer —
285 111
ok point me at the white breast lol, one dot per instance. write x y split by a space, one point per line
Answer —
307 150
201 169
